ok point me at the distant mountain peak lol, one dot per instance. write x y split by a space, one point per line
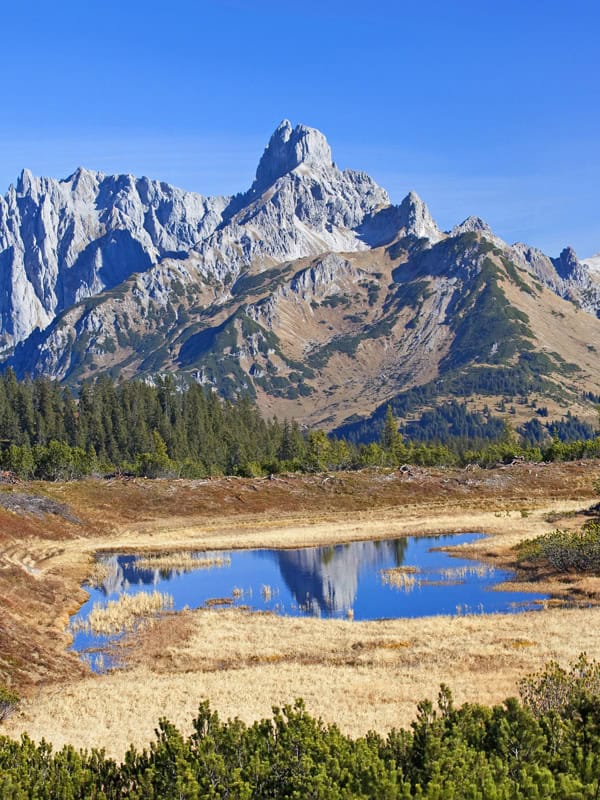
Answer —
24 181
593 262
416 218
472 224
287 149
567 264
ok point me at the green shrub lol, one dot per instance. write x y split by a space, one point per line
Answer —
561 691
9 700
566 551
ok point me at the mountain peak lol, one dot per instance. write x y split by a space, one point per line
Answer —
416 218
567 263
24 181
471 225
288 148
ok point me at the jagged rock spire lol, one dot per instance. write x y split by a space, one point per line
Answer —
417 220
288 148
567 263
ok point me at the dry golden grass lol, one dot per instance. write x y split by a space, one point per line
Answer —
406 578
361 675
123 614
181 562
457 573
399 579
97 574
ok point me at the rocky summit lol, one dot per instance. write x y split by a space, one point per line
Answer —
310 291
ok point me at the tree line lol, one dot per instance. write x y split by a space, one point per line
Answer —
161 430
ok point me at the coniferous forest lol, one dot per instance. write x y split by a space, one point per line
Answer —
161 430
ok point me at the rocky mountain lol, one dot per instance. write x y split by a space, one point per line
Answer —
309 291
61 241
593 262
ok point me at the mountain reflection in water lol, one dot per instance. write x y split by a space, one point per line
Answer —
325 579
322 580
334 581
355 580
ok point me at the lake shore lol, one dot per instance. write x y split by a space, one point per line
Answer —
361 675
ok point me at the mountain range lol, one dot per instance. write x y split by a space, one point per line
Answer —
310 291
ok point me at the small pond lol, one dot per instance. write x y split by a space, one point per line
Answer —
407 577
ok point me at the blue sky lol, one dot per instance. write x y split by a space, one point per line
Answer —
487 108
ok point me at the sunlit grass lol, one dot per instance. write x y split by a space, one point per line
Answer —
182 562
122 614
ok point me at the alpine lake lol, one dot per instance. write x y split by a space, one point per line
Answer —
365 580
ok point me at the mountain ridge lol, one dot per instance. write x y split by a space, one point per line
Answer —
310 291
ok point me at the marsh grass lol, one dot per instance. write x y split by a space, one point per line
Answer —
268 592
459 573
398 578
122 614
406 578
181 562
99 573
359 675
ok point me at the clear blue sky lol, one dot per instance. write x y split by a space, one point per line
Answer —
487 108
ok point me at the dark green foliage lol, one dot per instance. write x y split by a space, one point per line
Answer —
266 281
149 430
216 351
348 344
335 300
487 328
570 428
533 432
520 379
548 746
514 276
453 423
566 551
169 431
9 700
412 294
218 339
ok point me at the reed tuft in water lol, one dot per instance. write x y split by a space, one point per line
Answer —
182 562
122 614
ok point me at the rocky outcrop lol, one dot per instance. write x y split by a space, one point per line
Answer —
566 275
410 219
479 226
289 148
567 265
593 262
62 241
300 204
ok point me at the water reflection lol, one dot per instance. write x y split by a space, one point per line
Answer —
322 580
325 579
